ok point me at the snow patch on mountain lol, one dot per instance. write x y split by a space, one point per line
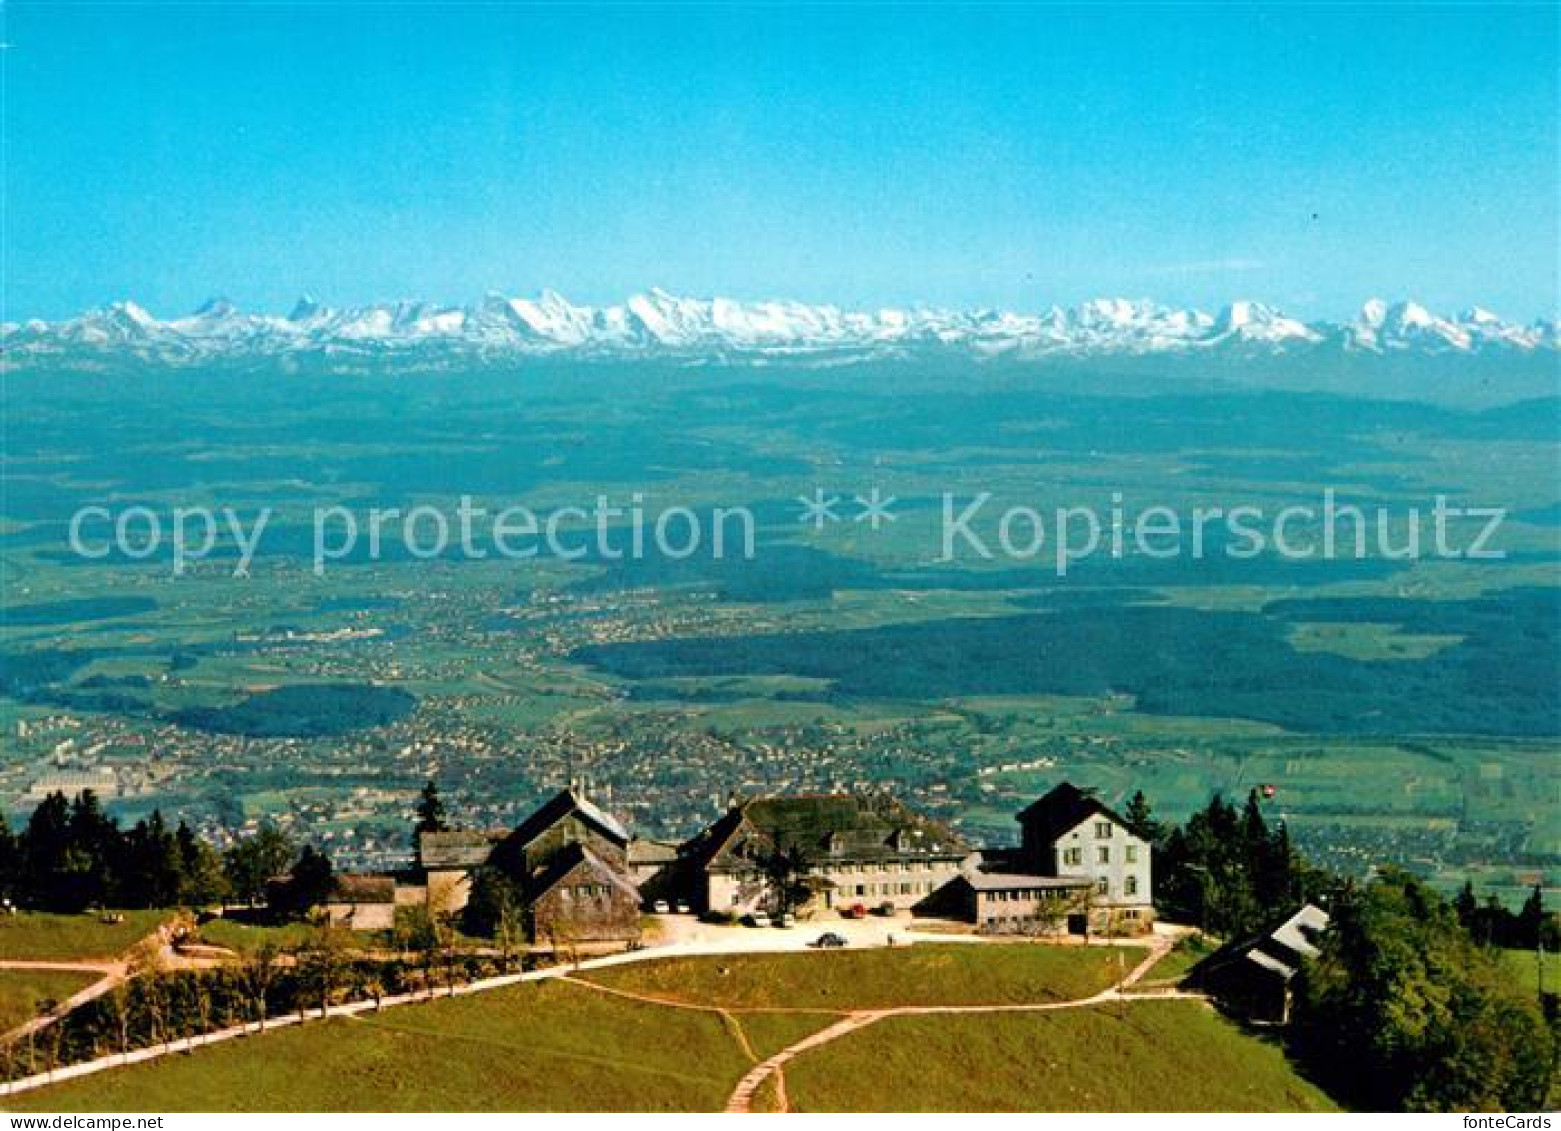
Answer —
500 328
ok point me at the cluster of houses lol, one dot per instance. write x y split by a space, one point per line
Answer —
582 878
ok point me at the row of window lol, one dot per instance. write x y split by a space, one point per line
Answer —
887 866
1129 886
1020 920
1075 856
1027 895
915 887
584 891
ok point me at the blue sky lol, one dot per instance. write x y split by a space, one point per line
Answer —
1014 155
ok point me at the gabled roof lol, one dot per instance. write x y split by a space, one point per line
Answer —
1063 809
1016 881
347 887
569 858
559 806
828 826
1279 950
643 851
465 848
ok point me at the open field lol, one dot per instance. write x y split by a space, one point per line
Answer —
837 658
1173 967
1524 968
39 936
22 990
554 1046
540 1047
926 974
1148 1056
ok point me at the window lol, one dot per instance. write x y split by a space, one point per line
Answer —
1102 886
1130 886
1132 854
1102 830
1104 854
1073 856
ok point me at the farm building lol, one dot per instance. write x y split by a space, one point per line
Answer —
1252 977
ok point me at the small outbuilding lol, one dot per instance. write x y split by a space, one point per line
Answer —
1251 978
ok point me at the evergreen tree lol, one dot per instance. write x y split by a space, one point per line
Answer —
96 852
1403 1011
1530 921
50 871
308 885
1465 905
430 812
10 863
154 874
203 882
1141 820
251 863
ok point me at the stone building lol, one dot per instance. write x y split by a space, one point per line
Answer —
568 862
579 897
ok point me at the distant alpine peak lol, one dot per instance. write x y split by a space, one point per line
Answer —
656 323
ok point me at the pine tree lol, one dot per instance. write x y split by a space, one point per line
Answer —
10 864
1141 819
430 811
1530 920
1466 905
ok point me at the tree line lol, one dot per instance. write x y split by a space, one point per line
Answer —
71 856
1230 872
159 1007
1408 1006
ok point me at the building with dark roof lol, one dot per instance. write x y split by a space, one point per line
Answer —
843 850
448 861
568 861
579 897
1016 903
362 902
1252 977
1070 833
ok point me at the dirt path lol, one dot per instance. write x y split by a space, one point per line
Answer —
113 971
741 1099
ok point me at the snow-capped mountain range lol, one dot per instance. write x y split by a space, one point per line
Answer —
657 324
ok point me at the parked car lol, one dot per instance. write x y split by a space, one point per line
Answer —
660 907
855 911
886 909
828 941
682 907
786 919
758 919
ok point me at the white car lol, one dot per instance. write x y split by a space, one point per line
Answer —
759 919
660 907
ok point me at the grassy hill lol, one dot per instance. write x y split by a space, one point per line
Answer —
926 974
555 1046
39 935
22 990
1147 1056
1523 965
539 1047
